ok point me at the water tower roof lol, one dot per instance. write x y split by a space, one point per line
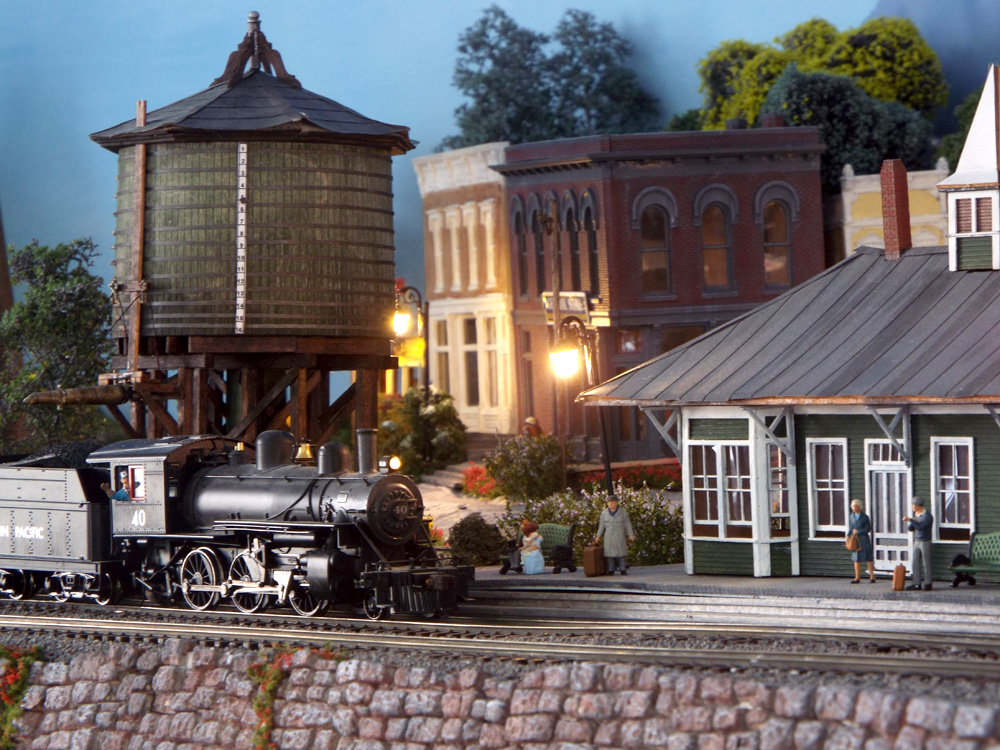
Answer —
255 105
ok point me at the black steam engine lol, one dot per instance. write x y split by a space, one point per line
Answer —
201 519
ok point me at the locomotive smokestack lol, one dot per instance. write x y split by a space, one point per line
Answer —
367 438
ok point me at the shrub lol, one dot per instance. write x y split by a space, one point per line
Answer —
404 421
476 540
659 526
526 468
476 482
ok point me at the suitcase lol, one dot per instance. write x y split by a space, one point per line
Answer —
899 577
593 560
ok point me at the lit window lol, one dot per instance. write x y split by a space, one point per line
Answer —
656 272
716 251
777 247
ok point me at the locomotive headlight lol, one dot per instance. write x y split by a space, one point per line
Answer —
389 463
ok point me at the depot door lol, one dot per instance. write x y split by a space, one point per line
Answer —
888 502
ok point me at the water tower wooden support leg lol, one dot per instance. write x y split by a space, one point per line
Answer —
366 404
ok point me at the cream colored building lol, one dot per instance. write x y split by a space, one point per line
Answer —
854 218
467 271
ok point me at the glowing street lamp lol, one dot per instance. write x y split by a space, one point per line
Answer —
576 339
410 295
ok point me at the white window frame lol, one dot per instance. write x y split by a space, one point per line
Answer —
814 526
938 509
772 487
721 499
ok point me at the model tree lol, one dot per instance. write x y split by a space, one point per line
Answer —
857 129
520 90
55 335
886 57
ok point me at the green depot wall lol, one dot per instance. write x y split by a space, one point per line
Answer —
722 558
830 558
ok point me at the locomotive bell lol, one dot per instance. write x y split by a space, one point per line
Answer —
304 453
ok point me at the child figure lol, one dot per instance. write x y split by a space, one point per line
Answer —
615 525
531 550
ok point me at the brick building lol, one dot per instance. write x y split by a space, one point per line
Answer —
667 234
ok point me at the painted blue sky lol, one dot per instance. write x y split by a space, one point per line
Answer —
70 69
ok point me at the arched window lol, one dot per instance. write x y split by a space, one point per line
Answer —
716 248
657 274
593 261
522 254
777 246
574 251
539 234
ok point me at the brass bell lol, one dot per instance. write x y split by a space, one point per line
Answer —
304 453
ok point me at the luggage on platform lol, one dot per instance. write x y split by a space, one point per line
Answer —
899 577
593 560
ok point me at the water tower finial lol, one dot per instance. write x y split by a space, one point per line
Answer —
256 50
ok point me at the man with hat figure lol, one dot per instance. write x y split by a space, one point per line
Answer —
614 526
922 526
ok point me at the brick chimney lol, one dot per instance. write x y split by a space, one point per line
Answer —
895 209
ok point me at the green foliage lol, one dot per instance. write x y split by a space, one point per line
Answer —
886 58
519 92
526 468
476 540
658 525
685 121
719 73
56 335
408 423
889 59
952 144
856 128
269 675
13 686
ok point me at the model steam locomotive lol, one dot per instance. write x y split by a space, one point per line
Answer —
202 519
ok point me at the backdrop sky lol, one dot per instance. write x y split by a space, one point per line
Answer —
70 69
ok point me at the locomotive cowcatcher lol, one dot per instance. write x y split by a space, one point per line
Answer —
203 519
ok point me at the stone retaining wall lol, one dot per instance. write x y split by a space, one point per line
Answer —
178 696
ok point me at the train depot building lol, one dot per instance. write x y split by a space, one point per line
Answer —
878 379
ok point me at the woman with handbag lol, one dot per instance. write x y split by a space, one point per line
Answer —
859 541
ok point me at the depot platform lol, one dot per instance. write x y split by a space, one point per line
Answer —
671 579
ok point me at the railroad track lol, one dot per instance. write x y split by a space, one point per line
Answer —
736 643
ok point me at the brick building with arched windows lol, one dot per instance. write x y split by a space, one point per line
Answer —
664 235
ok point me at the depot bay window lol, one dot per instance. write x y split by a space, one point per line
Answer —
722 504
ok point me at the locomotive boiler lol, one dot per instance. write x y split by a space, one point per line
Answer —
203 520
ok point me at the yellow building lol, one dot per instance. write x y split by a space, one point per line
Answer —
854 218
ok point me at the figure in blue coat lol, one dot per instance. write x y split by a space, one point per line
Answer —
861 527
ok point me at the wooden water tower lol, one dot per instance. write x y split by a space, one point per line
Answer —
253 256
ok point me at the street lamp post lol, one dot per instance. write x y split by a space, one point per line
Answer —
574 338
410 295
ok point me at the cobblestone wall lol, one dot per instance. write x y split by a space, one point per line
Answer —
178 696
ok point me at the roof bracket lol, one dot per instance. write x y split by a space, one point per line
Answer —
905 448
674 442
785 444
993 413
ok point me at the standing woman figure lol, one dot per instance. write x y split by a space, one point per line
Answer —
861 527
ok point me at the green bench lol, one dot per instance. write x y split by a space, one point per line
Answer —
984 557
557 548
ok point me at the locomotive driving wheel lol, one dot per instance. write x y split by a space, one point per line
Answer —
247 568
200 568
305 603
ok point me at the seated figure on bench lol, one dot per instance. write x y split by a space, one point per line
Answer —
531 550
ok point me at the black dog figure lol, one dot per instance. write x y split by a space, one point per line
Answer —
562 557
960 577
512 557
